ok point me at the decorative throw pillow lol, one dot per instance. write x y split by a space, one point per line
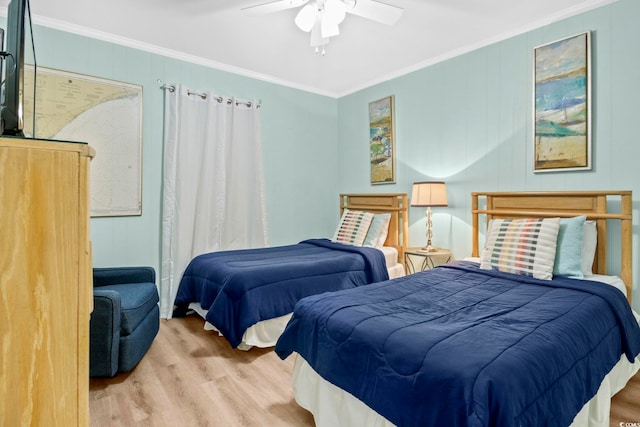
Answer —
589 243
568 261
378 230
353 227
522 246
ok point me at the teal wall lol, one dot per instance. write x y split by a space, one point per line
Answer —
468 121
299 132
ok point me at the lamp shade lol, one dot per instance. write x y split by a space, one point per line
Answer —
429 193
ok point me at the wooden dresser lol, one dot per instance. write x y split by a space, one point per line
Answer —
45 283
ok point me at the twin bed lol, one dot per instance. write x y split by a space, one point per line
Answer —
473 344
248 295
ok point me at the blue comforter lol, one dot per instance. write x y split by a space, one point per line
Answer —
460 346
242 287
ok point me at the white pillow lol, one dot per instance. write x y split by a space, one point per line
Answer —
589 243
525 246
353 227
378 230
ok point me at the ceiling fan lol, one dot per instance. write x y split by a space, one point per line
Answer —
322 17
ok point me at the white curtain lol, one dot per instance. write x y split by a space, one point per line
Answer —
213 192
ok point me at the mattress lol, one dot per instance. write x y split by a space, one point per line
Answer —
390 255
394 268
265 333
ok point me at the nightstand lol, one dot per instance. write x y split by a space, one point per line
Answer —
417 259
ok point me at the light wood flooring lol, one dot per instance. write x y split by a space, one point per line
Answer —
192 377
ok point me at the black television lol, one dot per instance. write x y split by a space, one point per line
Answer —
11 114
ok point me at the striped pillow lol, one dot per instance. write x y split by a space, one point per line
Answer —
521 246
353 227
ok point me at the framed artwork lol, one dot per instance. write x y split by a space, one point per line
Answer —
562 105
382 141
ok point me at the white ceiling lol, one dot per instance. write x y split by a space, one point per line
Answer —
272 48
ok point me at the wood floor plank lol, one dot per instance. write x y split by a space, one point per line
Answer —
625 405
192 377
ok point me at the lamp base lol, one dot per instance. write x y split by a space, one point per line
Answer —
428 248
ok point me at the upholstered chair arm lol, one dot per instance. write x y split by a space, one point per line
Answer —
104 344
120 275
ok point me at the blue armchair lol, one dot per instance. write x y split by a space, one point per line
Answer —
125 318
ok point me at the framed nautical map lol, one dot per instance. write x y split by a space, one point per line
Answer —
104 113
562 105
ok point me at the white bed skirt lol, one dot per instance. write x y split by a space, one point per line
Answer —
333 407
262 334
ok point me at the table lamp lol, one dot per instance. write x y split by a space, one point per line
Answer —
427 194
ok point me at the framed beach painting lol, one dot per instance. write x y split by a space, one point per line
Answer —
382 141
562 105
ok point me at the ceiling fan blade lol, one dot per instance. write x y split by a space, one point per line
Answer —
335 10
376 11
272 6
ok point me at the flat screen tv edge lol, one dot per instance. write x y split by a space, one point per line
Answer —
11 115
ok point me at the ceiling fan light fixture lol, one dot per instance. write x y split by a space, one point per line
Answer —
316 35
335 11
328 28
306 18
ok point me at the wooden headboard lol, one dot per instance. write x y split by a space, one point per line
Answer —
564 204
393 203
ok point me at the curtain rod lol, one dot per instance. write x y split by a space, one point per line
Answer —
202 95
